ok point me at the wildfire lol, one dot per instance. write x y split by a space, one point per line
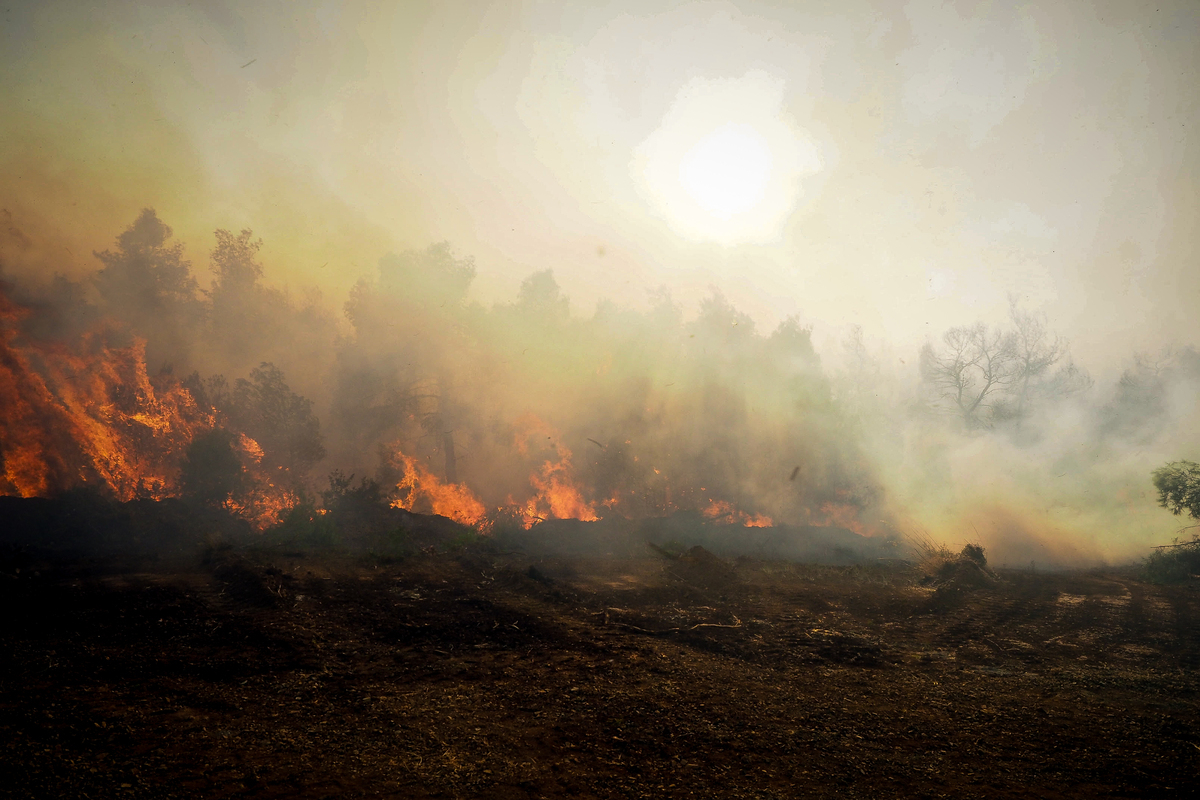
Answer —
420 489
724 512
88 415
266 503
843 516
558 494
86 412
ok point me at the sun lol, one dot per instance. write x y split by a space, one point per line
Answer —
726 164
727 171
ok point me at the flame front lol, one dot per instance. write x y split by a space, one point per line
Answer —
421 490
558 494
724 512
88 415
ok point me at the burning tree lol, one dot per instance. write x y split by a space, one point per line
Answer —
84 411
280 421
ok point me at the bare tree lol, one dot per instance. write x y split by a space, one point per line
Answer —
972 372
1044 368
988 376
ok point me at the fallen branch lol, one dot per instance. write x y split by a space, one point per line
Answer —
665 631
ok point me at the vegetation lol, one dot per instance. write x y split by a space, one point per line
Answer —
305 528
986 376
212 472
1173 563
1178 485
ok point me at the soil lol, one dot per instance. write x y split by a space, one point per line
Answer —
465 671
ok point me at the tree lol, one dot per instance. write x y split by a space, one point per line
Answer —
415 280
1178 485
1044 368
269 412
212 472
281 421
233 261
410 334
246 319
1000 375
145 272
148 284
973 371
1152 396
540 298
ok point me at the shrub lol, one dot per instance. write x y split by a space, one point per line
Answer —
1174 563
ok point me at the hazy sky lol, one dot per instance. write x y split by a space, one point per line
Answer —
904 166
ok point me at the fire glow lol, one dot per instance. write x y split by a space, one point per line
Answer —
84 411
88 414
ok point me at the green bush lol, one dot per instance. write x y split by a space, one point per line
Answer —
1174 563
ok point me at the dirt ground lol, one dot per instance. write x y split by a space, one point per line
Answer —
465 671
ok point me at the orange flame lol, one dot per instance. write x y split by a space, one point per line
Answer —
843 516
266 504
724 512
558 494
420 487
88 415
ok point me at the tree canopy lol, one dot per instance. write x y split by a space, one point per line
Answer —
1178 485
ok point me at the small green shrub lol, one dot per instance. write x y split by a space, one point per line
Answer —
392 545
465 539
1176 563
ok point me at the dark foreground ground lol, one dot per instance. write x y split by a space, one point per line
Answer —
468 672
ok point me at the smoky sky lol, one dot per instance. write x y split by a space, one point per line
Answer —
967 151
934 160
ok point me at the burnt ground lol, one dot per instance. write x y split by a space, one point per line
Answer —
463 671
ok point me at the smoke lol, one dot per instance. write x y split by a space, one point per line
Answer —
526 404
1065 483
461 408
646 411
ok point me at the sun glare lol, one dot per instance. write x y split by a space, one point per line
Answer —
726 164
727 171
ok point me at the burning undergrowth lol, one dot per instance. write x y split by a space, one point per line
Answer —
501 417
